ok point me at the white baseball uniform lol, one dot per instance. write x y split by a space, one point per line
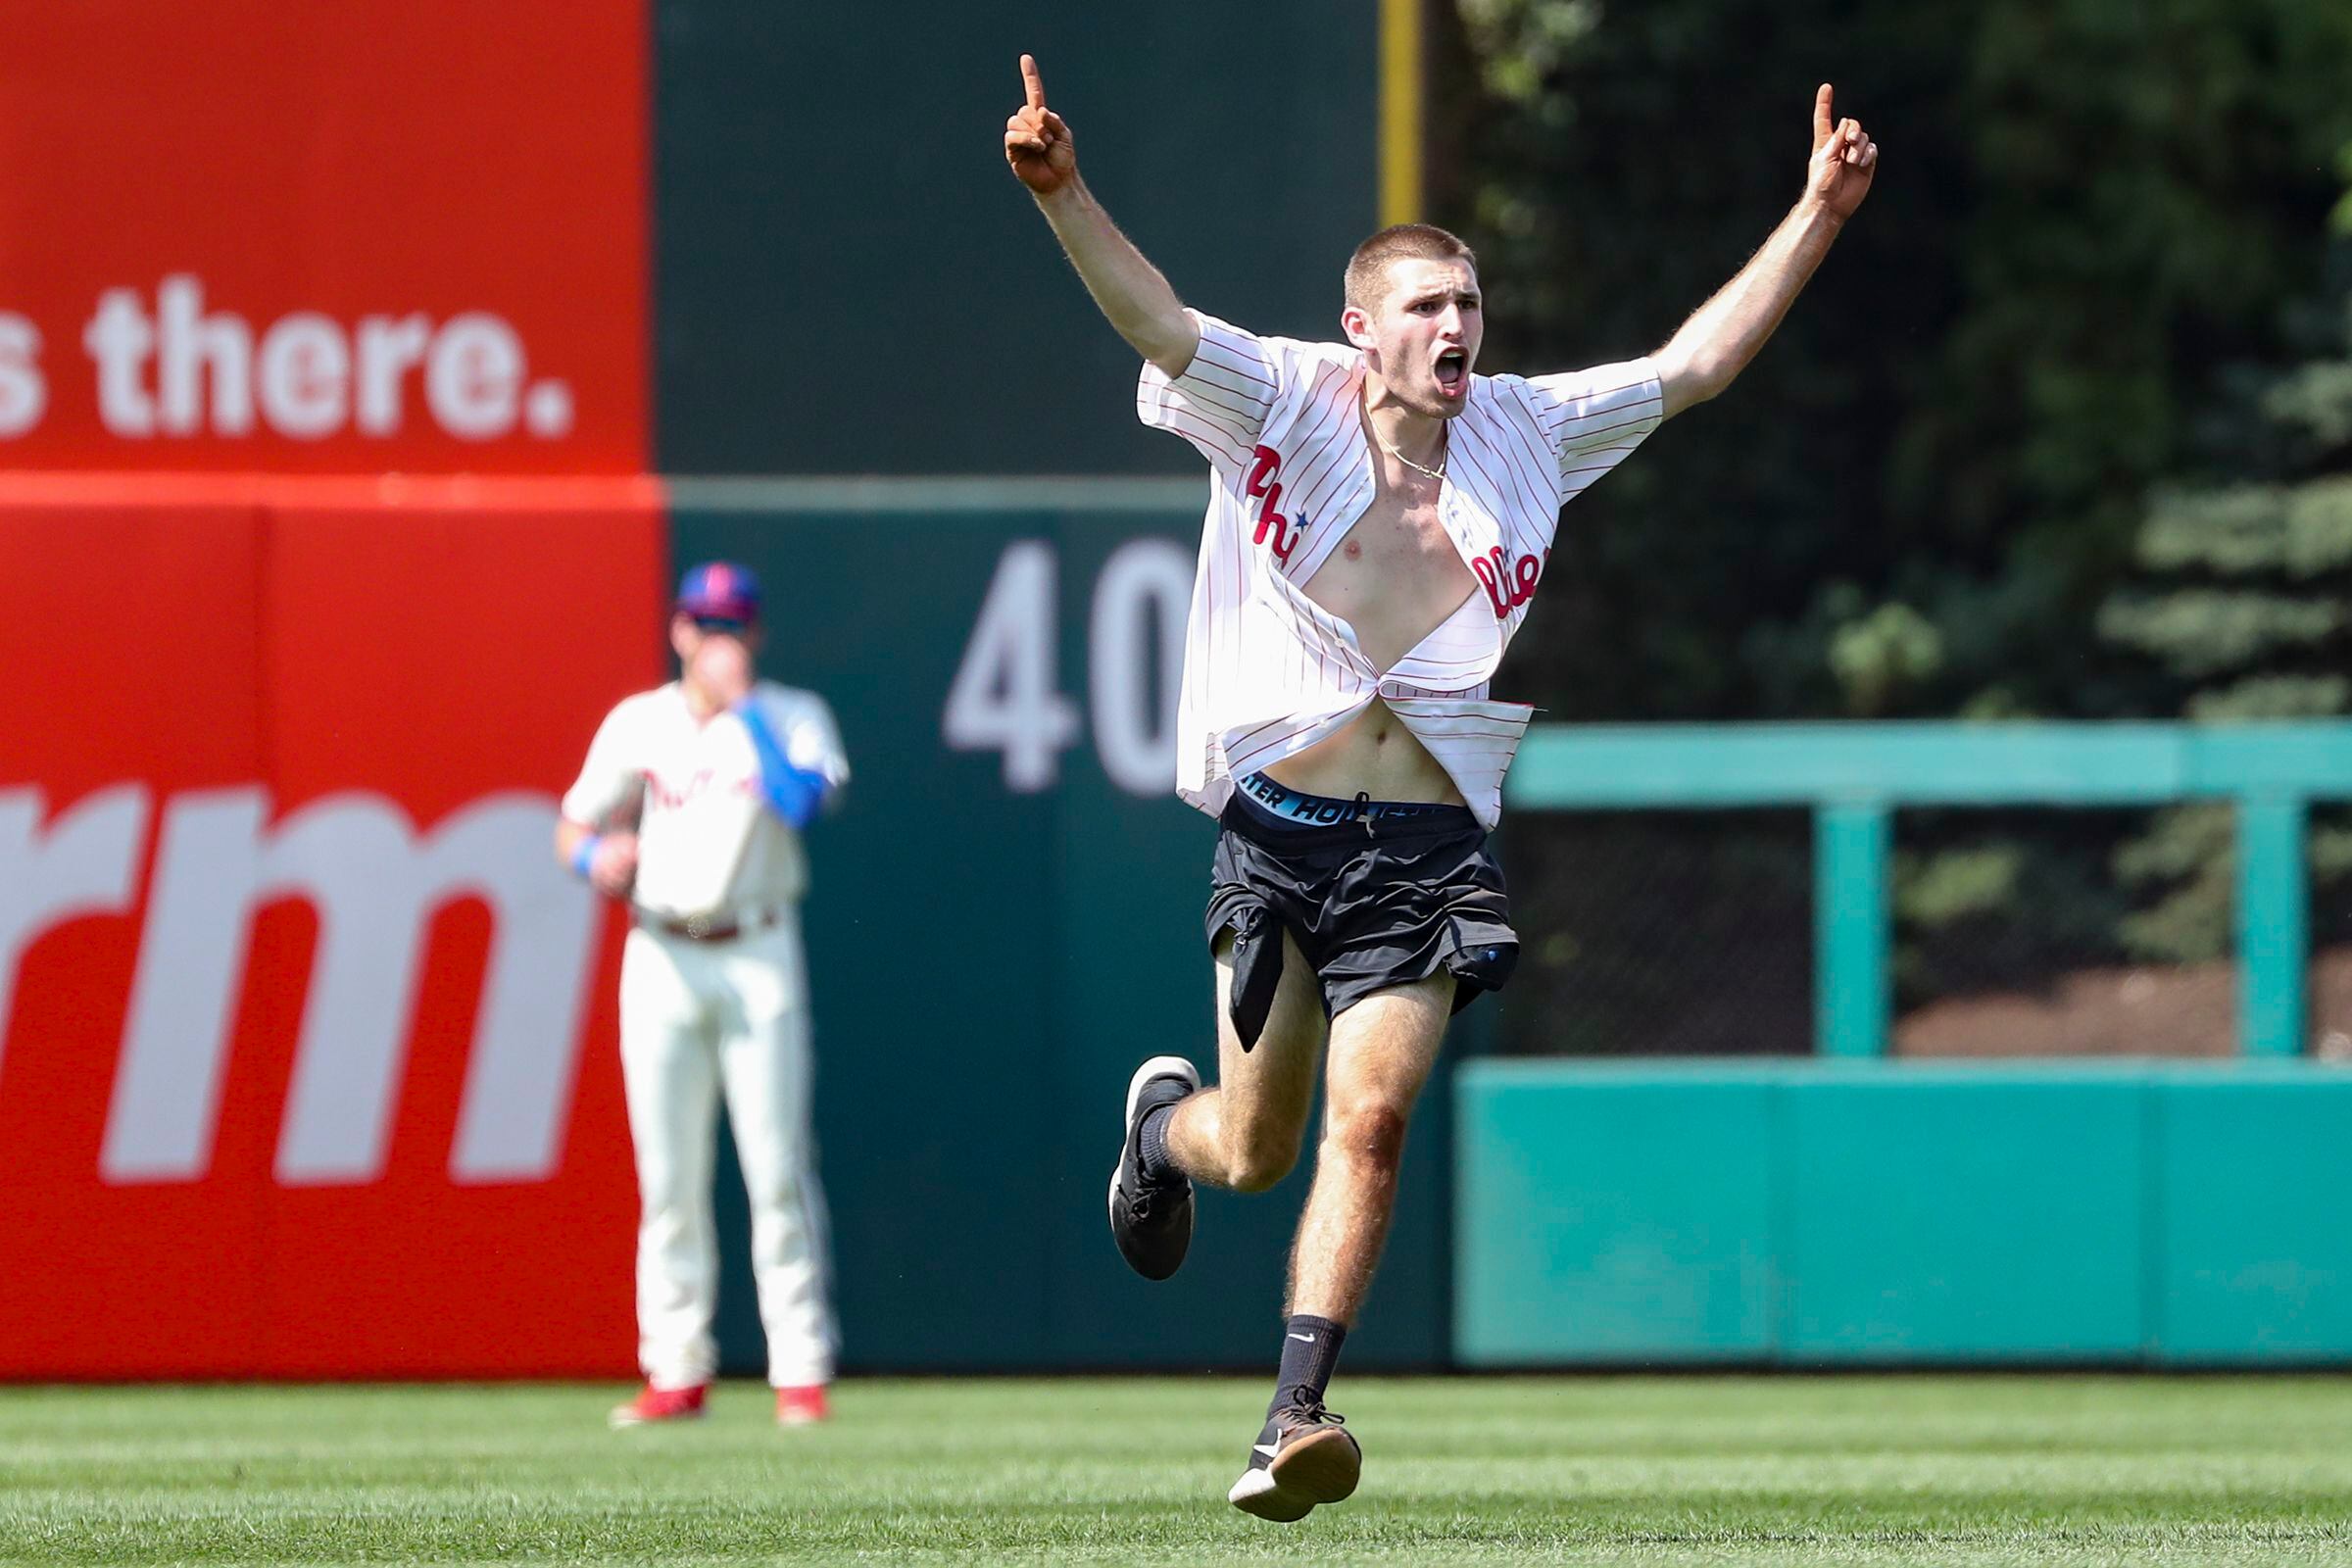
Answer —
1268 672
700 1018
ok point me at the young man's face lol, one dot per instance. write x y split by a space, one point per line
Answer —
691 637
1422 337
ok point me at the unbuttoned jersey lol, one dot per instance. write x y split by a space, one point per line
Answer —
707 842
1268 672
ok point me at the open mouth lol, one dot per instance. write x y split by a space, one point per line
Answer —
1454 373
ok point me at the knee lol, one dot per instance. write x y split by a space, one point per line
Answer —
775 1198
671 1216
1371 1139
1257 1170
1259 1158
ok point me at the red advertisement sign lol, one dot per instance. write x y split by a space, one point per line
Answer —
306 1045
382 235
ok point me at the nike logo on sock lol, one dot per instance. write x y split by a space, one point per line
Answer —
1308 1339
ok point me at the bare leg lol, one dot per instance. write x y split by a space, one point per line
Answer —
1382 1051
1246 1133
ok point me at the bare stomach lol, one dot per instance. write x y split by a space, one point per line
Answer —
1376 756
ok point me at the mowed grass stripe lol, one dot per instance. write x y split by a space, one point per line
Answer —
1973 1470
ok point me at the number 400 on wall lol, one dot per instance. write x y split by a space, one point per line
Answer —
1006 694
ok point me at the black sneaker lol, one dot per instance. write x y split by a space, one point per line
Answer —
1152 1221
1306 1456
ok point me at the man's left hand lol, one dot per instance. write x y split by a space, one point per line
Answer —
1843 161
722 666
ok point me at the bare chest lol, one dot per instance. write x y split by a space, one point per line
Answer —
1394 577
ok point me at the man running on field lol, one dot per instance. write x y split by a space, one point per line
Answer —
1378 519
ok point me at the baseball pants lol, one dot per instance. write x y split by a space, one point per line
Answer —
701 1021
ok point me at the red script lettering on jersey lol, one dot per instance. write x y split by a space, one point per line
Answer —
1261 471
1508 585
661 792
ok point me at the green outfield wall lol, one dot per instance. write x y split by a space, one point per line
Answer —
1006 914
1005 917
847 281
1840 1213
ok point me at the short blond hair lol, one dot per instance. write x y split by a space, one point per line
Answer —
1368 268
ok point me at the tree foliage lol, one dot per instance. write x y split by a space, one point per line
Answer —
2245 598
2085 211
2002 460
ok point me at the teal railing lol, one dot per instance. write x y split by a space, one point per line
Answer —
1855 775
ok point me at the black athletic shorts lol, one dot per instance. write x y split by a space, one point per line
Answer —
1376 894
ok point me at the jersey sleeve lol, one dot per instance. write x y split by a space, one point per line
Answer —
807 735
1593 419
607 780
1220 403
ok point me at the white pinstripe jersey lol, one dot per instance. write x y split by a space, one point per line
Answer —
706 843
1268 672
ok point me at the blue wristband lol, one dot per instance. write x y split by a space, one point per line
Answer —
583 859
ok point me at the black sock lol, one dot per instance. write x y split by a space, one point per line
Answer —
1151 1144
1310 1349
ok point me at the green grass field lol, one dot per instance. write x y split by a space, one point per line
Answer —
1488 1470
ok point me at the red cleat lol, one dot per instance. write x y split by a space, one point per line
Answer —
653 1406
802 1406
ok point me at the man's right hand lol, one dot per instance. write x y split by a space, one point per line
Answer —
1037 144
614 870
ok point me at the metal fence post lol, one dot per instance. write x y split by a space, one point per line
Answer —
2272 913
1853 927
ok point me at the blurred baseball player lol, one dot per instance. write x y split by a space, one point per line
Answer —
691 806
1379 519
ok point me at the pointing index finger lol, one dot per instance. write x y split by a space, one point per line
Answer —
1034 83
1822 120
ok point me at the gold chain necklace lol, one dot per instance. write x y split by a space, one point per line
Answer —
1438 474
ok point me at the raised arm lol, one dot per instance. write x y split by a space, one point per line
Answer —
1131 294
1724 334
